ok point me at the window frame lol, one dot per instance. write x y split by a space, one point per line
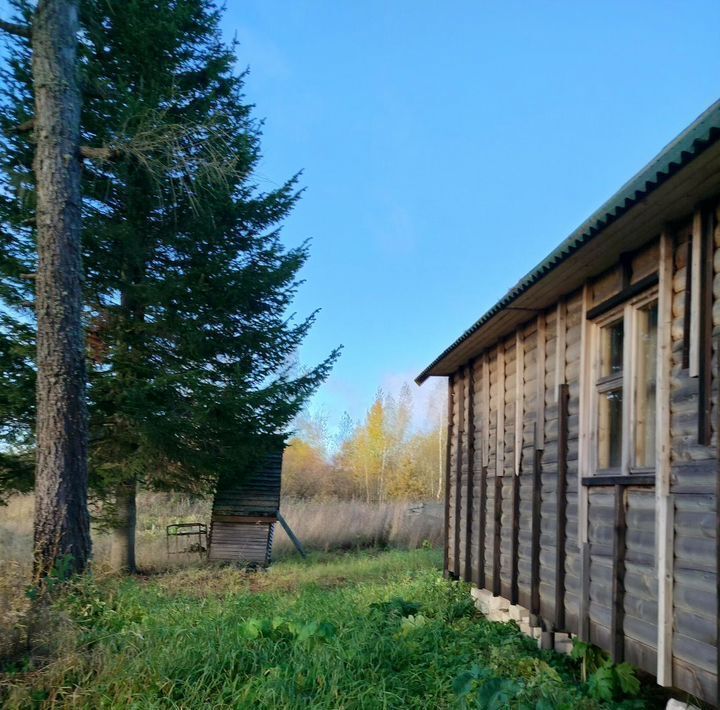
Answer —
627 312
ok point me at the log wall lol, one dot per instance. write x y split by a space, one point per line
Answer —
528 520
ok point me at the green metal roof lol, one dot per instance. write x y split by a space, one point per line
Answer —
695 139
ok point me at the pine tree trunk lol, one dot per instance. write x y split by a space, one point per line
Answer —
122 550
62 523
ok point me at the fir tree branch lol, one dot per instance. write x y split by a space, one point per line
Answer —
15 29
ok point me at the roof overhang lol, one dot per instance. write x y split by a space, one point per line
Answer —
685 173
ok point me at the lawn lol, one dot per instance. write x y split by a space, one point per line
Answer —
354 630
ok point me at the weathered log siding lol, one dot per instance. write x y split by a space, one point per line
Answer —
508 468
572 378
494 436
451 488
554 350
528 404
694 472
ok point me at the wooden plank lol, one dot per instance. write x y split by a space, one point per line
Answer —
561 505
634 479
497 514
448 459
687 307
470 437
617 609
540 383
517 465
500 430
482 522
458 471
246 519
584 617
291 535
485 455
560 344
515 540
535 533
717 544
705 327
519 400
486 409
628 402
664 504
585 442
695 280
628 292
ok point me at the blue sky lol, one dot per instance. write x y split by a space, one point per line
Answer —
448 147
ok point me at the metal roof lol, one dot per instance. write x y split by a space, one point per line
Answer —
695 139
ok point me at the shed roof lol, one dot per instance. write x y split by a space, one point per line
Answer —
690 144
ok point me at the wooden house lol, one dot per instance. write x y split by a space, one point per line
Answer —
582 462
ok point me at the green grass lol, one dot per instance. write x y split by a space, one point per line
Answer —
362 630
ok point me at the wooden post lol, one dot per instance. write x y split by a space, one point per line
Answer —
499 466
535 534
485 451
515 543
482 523
585 442
617 608
664 503
458 472
497 514
470 428
695 280
687 303
519 400
717 537
290 534
560 312
537 467
540 383
448 460
517 464
705 327
561 506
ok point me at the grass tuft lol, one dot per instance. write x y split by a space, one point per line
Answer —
341 630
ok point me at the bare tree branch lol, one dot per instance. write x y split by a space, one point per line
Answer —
15 29
91 153
26 126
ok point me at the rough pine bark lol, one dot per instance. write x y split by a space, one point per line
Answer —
122 550
62 524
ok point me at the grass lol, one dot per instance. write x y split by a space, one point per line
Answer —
365 629
325 526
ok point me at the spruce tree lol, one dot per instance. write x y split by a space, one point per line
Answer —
188 285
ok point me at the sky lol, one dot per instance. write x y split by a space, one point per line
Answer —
448 147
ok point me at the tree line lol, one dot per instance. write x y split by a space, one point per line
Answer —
380 458
145 332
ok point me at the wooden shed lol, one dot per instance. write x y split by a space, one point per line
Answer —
582 464
244 515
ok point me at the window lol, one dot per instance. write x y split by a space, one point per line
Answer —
625 374
610 395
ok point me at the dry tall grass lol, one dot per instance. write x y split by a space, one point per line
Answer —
338 525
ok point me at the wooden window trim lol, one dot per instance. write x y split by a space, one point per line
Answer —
624 380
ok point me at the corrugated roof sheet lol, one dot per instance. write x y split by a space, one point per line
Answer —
702 133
